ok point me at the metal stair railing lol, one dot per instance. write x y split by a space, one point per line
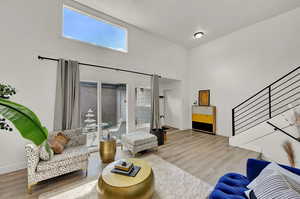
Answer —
273 100
276 128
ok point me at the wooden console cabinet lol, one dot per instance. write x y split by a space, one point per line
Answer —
204 119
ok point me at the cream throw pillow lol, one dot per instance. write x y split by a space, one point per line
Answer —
46 153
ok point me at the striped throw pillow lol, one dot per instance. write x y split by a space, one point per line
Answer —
275 187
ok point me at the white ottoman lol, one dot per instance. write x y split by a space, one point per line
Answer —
139 141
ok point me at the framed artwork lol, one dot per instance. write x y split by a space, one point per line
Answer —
204 98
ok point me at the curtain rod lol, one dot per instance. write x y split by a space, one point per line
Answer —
99 66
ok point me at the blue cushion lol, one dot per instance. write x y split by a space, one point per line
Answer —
230 186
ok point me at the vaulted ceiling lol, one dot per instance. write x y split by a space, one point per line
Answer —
177 20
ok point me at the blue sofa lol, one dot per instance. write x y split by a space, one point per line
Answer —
233 185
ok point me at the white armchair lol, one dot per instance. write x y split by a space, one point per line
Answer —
74 157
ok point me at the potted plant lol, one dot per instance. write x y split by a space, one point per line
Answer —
23 119
6 91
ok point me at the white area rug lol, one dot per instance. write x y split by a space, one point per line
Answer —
171 182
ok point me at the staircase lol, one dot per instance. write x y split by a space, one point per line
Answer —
266 120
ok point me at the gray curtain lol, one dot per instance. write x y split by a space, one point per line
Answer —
67 115
155 119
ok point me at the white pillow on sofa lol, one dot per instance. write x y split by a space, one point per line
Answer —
274 177
267 171
292 179
46 153
274 186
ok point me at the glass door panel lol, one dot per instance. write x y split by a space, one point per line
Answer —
143 107
114 109
89 112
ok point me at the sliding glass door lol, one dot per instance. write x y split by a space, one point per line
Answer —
114 109
103 110
89 111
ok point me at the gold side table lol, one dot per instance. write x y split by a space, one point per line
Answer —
107 149
113 186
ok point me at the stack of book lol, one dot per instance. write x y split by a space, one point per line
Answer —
125 167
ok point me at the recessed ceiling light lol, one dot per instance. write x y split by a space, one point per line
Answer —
198 35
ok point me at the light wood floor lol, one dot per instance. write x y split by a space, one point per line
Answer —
204 156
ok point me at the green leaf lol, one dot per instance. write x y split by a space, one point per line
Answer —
24 120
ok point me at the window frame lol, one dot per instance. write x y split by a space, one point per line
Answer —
97 18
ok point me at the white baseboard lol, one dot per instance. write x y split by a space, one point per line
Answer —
12 167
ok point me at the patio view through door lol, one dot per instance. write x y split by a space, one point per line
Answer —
103 108
114 109
89 112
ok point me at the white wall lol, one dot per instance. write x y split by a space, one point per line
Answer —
31 28
238 65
